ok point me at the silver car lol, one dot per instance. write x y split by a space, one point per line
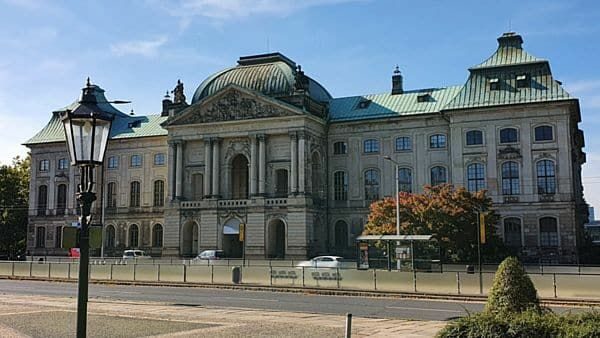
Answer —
322 262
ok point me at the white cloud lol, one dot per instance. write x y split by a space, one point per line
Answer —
146 48
582 86
223 10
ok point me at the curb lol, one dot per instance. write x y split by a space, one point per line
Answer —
317 291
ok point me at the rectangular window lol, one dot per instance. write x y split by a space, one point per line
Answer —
494 83
371 146
113 162
523 81
340 186
136 160
58 238
474 137
44 165
281 187
63 164
159 159
111 195
403 144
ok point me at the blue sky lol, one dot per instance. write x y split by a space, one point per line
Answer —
136 50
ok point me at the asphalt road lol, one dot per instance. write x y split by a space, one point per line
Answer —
376 307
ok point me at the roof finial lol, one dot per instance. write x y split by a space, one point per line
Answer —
167 96
87 83
397 70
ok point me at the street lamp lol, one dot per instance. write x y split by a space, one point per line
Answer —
86 130
397 166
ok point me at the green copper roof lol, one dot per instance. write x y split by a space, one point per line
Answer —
123 127
503 68
388 105
271 74
509 52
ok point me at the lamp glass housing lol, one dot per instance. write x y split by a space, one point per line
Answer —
87 137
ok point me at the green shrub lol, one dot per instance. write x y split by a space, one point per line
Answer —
512 290
526 324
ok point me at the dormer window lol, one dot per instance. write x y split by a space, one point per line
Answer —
363 104
423 97
494 83
523 81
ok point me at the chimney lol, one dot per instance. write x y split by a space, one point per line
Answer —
510 39
397 82
166 102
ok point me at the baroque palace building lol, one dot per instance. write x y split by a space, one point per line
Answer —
265 146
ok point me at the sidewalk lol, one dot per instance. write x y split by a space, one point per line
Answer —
28 316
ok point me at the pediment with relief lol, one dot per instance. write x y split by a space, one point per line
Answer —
232 104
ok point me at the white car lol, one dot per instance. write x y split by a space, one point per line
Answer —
210 255
135 254
322 262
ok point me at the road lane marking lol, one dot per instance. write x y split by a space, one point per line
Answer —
422 309
253 299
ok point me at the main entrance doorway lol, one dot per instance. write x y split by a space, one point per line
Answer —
232 246
276 239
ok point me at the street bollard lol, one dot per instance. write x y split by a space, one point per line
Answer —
348 325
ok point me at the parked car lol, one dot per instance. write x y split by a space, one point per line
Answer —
210 255
135 254
322 262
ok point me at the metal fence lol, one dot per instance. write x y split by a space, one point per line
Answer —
549 284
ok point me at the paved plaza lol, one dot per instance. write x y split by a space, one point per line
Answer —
35 316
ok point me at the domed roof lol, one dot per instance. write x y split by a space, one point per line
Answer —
271 74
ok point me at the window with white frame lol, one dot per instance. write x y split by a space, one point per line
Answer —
548 232
371 185
510 178
475 177
546 177
512 232
438 175
340 186
403 143
437 141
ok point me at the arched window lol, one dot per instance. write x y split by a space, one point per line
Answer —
403 143
40 237
512 232
475 177
371 185
543 133
371 146
437 141
110 236
157 236
548 232
474 137
405 179
510 178
111 195
42 200
134 235
281 182
340 186
340 148
546 177
61 199
239 177
509 135
134 194
159 193
438 175
341 235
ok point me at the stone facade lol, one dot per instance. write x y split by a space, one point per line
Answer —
276 156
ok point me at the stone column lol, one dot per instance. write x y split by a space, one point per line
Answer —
262 164
179 170
171 170
207 168
215 167
301 162
294 163
253 168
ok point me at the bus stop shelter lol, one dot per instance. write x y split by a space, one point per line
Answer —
402 252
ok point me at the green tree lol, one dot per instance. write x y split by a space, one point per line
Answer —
14 197
446 212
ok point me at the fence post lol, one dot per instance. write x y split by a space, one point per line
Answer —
134 268
212 273
158 273
458 281
111 272
12 271
69 271
271 275
375 279
49 269
303 282
414 279
554 283
184 273
348 325
337 277
30 268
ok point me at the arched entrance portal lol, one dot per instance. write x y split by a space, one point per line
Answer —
341 236
276 239
239 177
232 246
189 239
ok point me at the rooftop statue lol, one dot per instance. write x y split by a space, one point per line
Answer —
179 96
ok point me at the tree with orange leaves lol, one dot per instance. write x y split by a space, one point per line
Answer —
444 211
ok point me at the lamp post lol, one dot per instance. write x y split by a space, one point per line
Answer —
86 130
397 167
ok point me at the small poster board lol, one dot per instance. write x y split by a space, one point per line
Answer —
363 258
